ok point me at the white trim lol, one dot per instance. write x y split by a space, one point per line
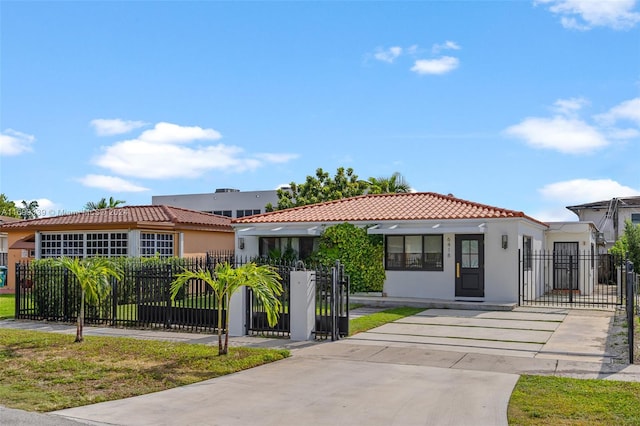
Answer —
431 230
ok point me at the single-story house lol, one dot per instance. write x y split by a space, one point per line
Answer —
117 232
435 246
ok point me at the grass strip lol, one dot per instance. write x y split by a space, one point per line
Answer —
367 322
7 305
548 400
48 371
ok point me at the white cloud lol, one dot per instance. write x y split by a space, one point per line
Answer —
116 126
388 55
587 14
441 65
110 183
578 191
172 133
627 110
45 208
569 107
447 45
163 153
567 135
557 214
13 142
623 134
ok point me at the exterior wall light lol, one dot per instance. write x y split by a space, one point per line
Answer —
241 243
505 241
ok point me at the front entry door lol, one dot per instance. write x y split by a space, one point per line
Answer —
470 265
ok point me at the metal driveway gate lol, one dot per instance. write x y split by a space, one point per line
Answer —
568 278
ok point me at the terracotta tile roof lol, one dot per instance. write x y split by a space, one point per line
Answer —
8 219
386 207
158 215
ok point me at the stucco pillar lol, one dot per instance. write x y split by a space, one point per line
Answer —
303 305
237 313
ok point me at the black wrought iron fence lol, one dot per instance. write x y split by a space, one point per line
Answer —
141 299
332 303
572 279
256 314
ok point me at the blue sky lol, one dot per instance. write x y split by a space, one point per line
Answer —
525 105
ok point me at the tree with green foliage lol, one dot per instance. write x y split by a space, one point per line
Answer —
361 254
388 185
93 275
29 210
103 204
8 208
320 188
225 280
629 244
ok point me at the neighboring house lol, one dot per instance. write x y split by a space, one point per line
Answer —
435 246
123 231
609 216
225 202
4 240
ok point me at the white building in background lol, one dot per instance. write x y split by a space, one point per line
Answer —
609 216
224 201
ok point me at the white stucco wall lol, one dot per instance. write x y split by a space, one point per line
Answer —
582 233
501 268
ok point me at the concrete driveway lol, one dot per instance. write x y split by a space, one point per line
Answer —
545 333
440 367
315 391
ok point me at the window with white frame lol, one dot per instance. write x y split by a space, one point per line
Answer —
108 244
414 252
51 245
79 244
152 244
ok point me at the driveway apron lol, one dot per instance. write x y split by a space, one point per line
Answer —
320 391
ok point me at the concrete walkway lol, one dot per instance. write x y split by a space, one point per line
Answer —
441 367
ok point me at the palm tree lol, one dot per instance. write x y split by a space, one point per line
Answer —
29 210
93 276
389 185
102 204
226 280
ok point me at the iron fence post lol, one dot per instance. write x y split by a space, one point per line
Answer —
520 278
570 278
19 281
114 301
166 284
65 291
334 287
630 310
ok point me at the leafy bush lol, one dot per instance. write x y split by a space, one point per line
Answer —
361 254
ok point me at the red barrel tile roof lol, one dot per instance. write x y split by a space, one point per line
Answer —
405 206
129 215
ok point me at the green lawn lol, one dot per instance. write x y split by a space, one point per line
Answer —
48 371
547 400
7 306
367 322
